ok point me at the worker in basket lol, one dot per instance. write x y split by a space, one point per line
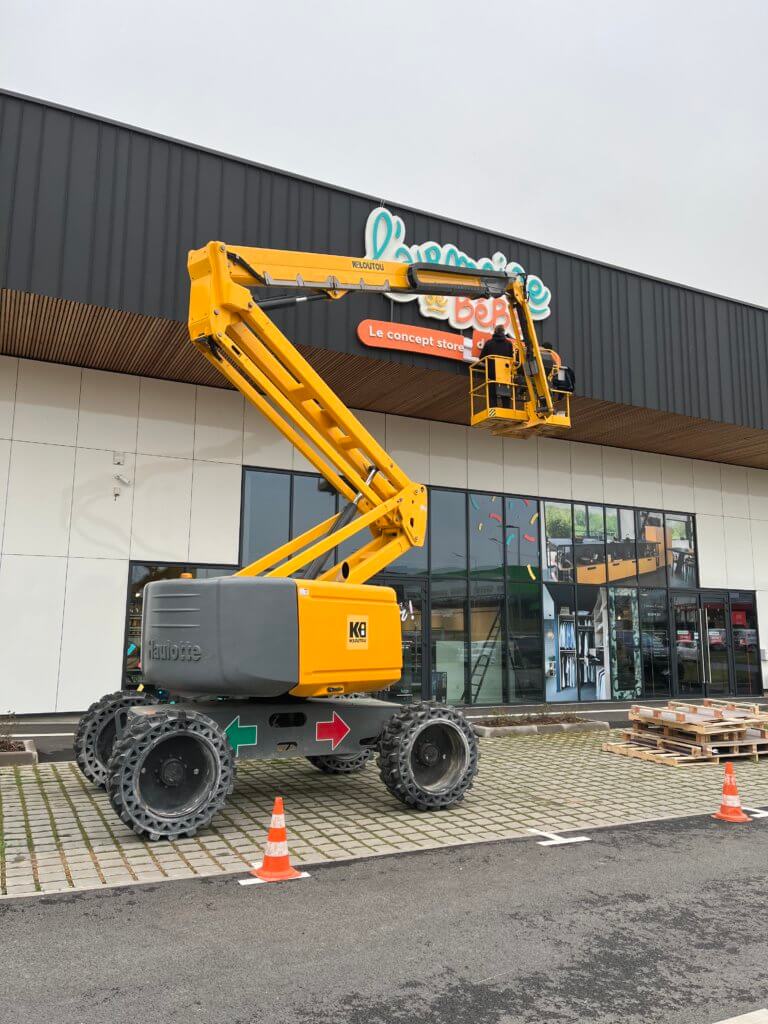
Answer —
499 344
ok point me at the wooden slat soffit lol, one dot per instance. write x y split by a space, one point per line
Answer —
62 331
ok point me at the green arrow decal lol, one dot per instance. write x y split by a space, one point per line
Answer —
240 735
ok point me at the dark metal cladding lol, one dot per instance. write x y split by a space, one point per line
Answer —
101 213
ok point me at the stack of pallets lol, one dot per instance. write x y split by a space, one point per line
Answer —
682 733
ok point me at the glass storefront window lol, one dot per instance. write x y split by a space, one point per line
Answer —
486 641
746 654
651 549
486 536
558 541
521 539
620 545
448 632
448 532
560 663
654 626
266 513
310 505
681 550
592 643
524 645
589 544
624 628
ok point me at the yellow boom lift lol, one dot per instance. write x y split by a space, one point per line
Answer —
263 662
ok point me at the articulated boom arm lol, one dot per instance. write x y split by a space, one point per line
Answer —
235 334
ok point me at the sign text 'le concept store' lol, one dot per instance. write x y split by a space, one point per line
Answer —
385 240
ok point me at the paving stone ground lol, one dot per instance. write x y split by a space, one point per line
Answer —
59 833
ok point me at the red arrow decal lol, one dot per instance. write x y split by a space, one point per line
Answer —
335 730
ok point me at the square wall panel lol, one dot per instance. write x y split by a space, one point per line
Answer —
9 369
677 484
757 483
109 411
738 553
39 499
219 425
618 485
31 607
5 460
447 454
408 444
162 497
166 418
554 467
587 471
214 534
646 477
47 399
521 465
710 541
759 530
707 488
375 423
485 466
101 519
264 445
735 491
94 631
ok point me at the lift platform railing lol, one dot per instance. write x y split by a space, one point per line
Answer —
501 399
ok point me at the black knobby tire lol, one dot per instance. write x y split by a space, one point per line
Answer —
170 773
341 764
97 729
428 756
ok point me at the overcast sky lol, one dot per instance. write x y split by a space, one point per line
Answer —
631 133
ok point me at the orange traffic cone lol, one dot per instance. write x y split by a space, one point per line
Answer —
276 866
730 808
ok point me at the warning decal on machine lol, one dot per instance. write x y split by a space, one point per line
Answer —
357 632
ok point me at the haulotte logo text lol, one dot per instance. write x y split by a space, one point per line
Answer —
385 240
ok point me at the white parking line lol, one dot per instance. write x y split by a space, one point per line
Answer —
553 839
755 812
756 1017
37 735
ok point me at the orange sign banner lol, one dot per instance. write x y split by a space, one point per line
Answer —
424 340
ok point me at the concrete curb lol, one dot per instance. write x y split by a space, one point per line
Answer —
13 758
518 730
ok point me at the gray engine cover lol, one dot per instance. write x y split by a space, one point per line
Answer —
234 636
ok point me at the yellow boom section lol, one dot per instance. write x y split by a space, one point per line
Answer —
237 336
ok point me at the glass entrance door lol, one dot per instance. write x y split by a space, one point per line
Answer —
412 598
701 645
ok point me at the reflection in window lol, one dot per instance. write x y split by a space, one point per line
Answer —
681 550
592 643
560 665
624 626
448 622
589 543
558 541
651 549
486 536
266 513
620 545
448 532
746 654
521 542
486 670
654 623
524 645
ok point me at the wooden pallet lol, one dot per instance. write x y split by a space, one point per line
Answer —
707 749
644 752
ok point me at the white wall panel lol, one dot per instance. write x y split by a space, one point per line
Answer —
735 491
757 484
485 468
5 459
447 454
554 468
214 534
677 484
759 529
587 472
219 425
47 398
109 411
264 445
9 368
711 551
39 501
162 498
93 631
166 418
375 423
31 606
618 486
408 444
646 479
738 553
101 522
521 466
707 488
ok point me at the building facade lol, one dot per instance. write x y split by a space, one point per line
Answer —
625 559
